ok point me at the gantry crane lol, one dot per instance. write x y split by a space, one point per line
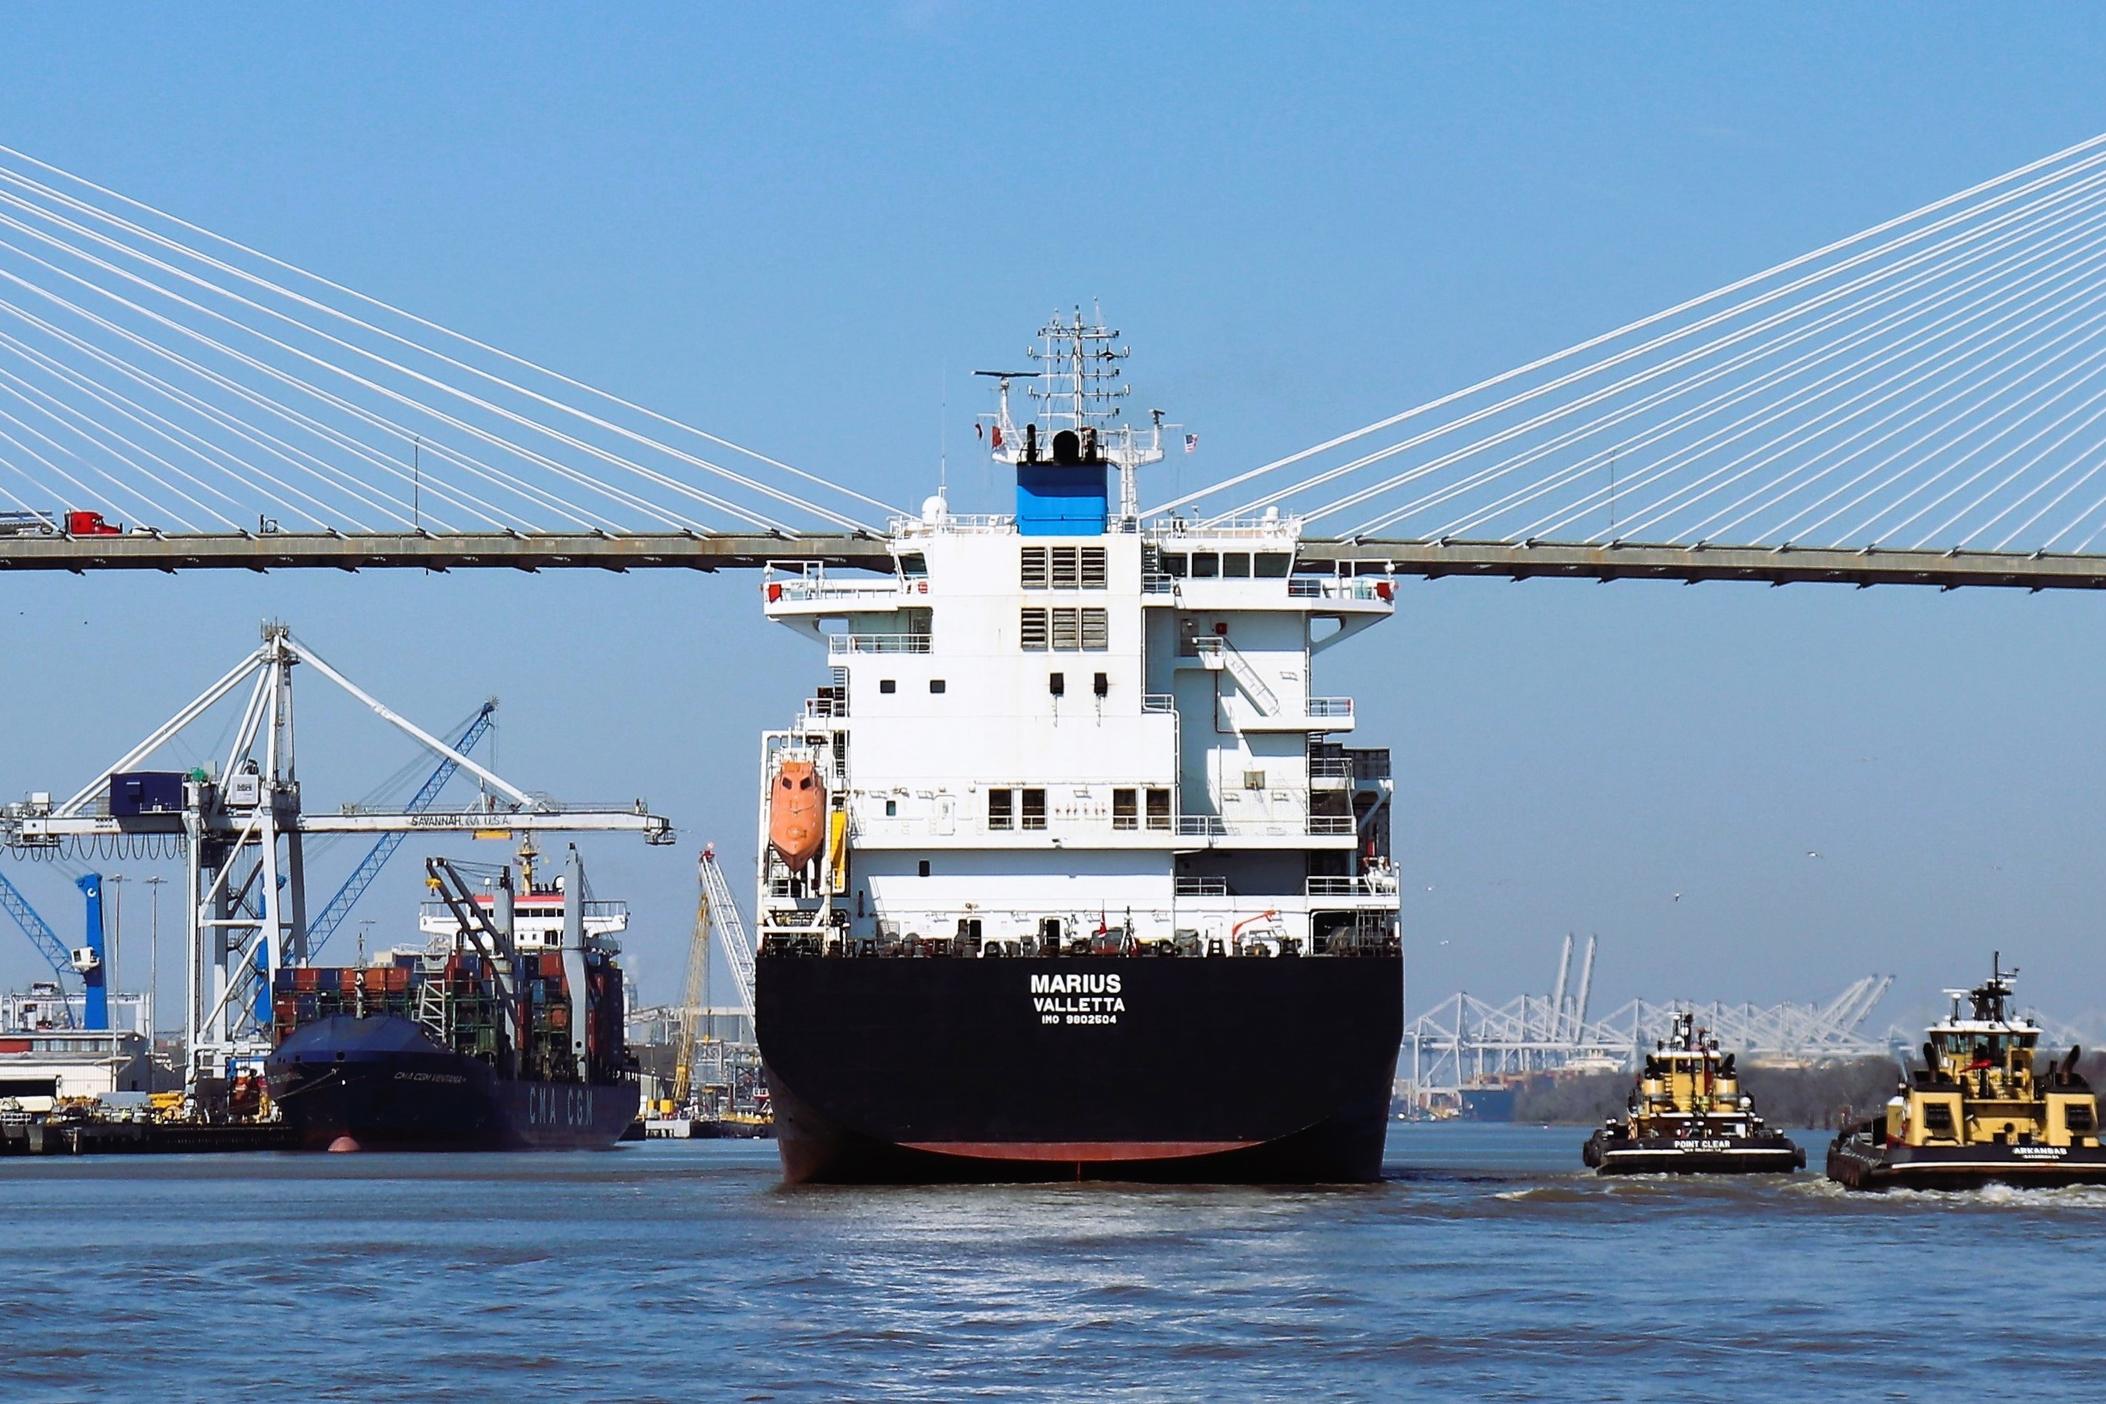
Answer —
362 876
240 833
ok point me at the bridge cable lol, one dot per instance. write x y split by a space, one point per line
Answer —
1685 418
1597 396
1584 467
1656 318
144 232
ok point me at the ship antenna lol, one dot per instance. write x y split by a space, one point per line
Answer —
943 435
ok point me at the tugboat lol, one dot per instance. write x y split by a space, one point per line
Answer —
1979 1111
1688 1116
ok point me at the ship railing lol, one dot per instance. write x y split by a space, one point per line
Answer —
1305 587
877 643
1155 582
1218 826
1338 886
950 522
1158 702
1330 768
1330 706
819 587
1283 528
596 909
1202 887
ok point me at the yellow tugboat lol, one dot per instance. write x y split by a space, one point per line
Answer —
1980 1110
1687 1115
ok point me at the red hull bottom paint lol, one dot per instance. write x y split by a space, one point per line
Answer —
1085 1151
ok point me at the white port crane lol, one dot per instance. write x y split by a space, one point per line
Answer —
239 834
723 916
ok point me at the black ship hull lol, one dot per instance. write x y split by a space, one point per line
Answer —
1684 1155
1856 1161
1114 1067
381 1083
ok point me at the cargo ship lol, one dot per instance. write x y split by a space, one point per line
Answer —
503 1031
1980 1110
1688 1116
1065 870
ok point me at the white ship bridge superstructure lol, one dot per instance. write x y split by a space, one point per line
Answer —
1067 729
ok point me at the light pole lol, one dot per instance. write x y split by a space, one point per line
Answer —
153 959
113 938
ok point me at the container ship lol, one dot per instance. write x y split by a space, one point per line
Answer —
1981 1110
1687 1115
504 1031
1065 868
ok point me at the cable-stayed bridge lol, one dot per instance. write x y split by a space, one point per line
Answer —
1921 402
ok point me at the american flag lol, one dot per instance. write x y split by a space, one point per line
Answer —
1191 443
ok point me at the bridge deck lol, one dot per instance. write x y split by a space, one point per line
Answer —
724 551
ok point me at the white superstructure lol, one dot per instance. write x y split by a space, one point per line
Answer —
1067 724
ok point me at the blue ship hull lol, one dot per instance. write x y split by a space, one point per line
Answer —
383 1083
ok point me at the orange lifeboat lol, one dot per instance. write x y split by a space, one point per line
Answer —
797 813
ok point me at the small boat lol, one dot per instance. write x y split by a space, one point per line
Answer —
1980 1110
797 813
1688 1116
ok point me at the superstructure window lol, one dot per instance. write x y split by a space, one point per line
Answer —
887 685
1125 814
1205 565
1176 564
936 684
1235 565
1001 810
1273 565
1159 809
1034 809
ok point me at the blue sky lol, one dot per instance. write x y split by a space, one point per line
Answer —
796 229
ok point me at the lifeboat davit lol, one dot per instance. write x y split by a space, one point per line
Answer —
797 813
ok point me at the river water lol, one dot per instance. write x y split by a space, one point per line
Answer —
1488 1266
